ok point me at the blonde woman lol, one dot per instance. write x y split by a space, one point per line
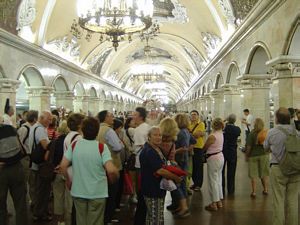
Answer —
169 131
258 159
215 161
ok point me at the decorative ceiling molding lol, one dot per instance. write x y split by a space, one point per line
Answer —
8 15
227 10
198 61
170 11
67 49
96 61
211 43
242 8
26 13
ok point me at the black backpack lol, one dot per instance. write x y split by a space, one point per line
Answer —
37 152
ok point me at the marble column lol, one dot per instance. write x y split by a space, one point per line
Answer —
81 104
8 89
39 97
64 99
218 103
202 104
255 91
208 104
285 87
101 105
93 104
232 100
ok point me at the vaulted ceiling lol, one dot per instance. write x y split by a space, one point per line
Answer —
191 32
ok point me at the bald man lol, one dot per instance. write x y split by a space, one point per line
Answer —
39 187
285 189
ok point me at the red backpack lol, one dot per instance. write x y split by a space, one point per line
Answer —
100 147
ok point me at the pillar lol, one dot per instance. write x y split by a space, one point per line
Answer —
81 104
8 89
255 90
285 87
208 104
39 97
218 103
93 104
64 99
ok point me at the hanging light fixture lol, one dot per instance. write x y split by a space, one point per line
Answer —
112 18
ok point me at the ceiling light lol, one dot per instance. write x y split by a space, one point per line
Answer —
112 18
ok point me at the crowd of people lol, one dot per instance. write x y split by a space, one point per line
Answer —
87 162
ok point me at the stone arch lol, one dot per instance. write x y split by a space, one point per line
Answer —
257 59
102 95
60 84
116 98
232 74
2 74
219 81
209 86
93 92
203 90
109 96
79 89
32 76
199 93
292 44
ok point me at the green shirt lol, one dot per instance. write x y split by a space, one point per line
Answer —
89 176
256 149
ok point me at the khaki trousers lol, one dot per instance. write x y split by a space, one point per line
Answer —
89 211
285 191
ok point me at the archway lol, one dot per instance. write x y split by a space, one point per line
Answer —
232 74
256 64
29 77
219 81
80 102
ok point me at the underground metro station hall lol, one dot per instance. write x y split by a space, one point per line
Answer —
149 112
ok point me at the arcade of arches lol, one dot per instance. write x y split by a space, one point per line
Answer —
218 56
232 59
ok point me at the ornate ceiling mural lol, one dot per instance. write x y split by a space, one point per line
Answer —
242 8
191 33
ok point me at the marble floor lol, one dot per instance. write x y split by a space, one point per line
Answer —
238 210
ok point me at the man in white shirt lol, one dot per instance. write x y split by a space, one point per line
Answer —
247 122
140 138
39 186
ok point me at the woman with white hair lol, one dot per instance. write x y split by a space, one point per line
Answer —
152 171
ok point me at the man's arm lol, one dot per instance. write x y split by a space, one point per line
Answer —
113 140
112 171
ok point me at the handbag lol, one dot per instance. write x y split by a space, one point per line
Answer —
167 185
128 186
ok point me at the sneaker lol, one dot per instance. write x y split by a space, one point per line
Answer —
117 210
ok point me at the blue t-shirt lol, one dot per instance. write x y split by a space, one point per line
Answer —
183 140
89 175
150 163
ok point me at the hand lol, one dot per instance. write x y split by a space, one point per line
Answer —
68 184
57 169
178 180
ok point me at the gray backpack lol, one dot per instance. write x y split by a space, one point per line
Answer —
290 163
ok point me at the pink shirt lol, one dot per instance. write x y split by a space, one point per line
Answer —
217 146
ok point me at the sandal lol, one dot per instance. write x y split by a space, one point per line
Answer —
265 192
211 207
253 195
219 204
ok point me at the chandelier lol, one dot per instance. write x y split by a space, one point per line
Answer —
114 19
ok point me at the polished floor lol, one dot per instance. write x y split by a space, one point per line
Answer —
238 210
